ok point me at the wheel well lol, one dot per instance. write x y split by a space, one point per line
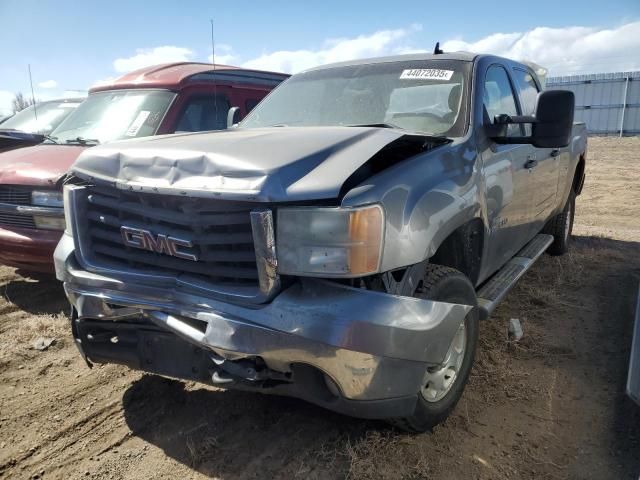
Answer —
578 177
462 249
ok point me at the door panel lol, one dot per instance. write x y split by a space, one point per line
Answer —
509 202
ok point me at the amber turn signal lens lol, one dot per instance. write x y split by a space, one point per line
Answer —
365 232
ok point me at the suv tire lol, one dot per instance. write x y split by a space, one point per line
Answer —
446 285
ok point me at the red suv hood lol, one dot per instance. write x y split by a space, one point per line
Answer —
39 165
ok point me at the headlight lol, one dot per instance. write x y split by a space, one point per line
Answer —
46 198
329 242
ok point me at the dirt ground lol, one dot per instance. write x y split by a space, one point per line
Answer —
551 406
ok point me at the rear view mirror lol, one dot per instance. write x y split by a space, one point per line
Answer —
551 125
554 119
233 116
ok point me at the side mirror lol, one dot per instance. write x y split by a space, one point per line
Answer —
233 116
551 126
554 119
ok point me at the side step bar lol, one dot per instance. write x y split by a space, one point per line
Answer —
494 290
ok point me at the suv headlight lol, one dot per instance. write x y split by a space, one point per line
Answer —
46 198
329 241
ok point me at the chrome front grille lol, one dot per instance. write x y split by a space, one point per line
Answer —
15 195
17 220
220 233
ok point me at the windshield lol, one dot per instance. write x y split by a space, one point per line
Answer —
428 97
42 119
114 115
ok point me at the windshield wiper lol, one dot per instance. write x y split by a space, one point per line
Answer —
51 139
377 125
84 141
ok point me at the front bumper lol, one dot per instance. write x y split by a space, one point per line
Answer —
350 350
28 248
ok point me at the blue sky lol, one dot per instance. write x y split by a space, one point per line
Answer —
72 45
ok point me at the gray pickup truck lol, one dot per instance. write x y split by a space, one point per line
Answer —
340 245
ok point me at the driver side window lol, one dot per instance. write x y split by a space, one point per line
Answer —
498 97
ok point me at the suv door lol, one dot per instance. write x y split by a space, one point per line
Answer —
543 161
508 182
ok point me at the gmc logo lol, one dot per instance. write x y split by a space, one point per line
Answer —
145 240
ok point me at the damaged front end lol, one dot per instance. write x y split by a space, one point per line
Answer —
355 351
223 289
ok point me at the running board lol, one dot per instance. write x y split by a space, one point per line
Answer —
494 290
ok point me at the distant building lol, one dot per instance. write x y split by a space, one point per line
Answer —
609 103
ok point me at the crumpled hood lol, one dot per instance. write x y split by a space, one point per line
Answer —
40 165
267 164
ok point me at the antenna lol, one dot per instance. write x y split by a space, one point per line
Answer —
33 97
215 80
436 50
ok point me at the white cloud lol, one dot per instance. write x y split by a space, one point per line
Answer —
564 50
145 57
383 42
48 84
224 55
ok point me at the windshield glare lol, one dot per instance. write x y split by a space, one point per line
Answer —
421 96
42 119
115 115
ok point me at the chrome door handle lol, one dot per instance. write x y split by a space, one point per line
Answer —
555 152
530 163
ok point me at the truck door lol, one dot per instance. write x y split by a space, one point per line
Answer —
543 162
508 182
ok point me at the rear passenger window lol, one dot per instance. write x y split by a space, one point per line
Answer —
499 98
204 113
528 93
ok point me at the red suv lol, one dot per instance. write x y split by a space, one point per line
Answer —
179 97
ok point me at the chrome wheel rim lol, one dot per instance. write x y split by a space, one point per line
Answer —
567 223
439 380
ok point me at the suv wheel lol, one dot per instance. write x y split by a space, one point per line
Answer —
442 385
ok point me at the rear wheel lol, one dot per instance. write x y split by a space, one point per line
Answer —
443 385
561 227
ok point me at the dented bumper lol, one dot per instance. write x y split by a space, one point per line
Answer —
354 351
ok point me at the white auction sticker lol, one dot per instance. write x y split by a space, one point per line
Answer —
135 126
426 74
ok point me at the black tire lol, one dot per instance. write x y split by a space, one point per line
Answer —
447 285
561 227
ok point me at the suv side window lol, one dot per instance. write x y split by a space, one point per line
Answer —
528 93
203 113
499 97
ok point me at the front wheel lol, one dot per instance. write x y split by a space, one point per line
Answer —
442 385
